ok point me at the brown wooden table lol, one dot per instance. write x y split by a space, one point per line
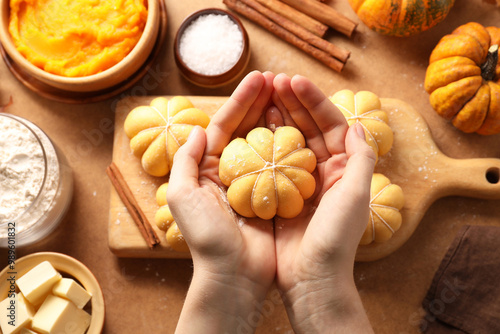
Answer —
146 295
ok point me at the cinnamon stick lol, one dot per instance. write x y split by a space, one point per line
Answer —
305 21
284 34
133 207
325 14
339 53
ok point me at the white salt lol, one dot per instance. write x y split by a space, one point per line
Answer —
211 44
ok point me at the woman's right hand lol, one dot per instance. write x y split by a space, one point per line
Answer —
315 251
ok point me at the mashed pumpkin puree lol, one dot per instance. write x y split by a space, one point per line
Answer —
76 38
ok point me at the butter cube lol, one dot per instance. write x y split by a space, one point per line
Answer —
37 283
58 315
69 289
27 331
16 313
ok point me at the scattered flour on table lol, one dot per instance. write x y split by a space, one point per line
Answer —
22 168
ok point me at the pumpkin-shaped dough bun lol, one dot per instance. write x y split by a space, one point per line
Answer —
176 240
386 199
268 173
165 222
364 108
157 131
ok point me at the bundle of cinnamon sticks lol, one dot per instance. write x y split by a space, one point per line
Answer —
302 23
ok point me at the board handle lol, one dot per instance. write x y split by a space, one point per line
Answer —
479 178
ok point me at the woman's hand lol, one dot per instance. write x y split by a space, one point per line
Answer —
234 259
315 251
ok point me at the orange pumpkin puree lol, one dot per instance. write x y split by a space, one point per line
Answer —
75 38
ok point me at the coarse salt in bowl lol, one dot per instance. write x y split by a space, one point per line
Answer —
211 48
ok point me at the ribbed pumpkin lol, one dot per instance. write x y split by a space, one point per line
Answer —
401 18
463 78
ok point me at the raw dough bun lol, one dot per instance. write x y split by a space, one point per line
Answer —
269 173
364 108
165 222
161 194
164 218
176 240
157 131
385 202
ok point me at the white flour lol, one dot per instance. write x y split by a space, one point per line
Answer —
29 178
35 188
22 168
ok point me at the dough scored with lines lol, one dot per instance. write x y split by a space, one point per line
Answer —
268 173
157 131
364 108
386 201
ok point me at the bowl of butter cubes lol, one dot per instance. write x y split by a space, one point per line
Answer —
48 293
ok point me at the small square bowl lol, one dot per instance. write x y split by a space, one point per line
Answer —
67 266
92 83
212 81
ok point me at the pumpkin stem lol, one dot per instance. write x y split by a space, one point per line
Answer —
488 68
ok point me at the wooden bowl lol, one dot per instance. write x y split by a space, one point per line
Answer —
212 81
96 82
68 267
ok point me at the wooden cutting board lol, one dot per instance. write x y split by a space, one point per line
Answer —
415 163
124 237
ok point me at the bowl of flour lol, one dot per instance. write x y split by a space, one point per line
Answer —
35 180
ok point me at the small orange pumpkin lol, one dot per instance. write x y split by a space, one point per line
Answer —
401 18
463 78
